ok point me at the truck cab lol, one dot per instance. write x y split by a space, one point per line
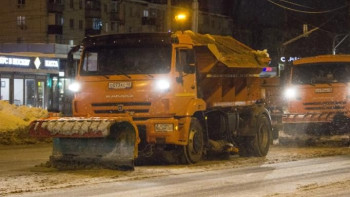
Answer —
318 95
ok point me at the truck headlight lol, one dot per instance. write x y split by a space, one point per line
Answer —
74 87
164 127
290 93
162 84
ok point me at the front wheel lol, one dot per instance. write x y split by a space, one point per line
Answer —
193 151
258 145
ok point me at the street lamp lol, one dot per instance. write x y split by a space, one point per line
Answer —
180 19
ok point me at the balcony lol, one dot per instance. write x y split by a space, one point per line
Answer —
114 16
92 13
55 7
89 32
148 21
54 29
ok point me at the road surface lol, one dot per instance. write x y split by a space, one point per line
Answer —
324 176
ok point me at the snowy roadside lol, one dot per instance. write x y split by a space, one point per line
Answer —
42 178
14 122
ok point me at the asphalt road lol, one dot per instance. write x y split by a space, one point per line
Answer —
277 179
17 159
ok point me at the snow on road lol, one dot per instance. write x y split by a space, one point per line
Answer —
22 168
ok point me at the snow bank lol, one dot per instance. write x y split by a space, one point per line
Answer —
14 121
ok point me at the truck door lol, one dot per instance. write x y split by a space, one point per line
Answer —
185 67
185 88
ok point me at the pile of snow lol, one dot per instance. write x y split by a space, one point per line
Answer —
14 117
14 122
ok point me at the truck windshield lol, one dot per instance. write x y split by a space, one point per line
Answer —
126 60
321 73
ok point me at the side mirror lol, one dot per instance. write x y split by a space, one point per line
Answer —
189 68
71 67
190 65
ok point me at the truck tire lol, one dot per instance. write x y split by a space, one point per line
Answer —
193 151
258 145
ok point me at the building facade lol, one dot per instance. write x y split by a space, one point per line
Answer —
34 75
69 21
44 31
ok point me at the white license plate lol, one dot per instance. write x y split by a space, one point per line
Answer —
119 85
323 90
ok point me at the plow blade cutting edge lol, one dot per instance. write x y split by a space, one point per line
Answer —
108 143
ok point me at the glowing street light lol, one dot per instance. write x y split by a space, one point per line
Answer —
181 20
180 17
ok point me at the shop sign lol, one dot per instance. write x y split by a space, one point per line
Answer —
290 59
15 61
29 62
51 63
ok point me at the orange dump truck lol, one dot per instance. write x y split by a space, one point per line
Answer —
166 95
318 96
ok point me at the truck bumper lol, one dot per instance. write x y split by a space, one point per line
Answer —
153 135
316 123
72 127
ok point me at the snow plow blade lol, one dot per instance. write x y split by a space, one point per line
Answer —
79 142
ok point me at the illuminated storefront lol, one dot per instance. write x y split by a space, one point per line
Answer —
33 79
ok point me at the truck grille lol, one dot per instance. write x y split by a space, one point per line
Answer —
336 105
123 107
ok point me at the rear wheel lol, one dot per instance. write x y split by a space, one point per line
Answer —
193 151
259 144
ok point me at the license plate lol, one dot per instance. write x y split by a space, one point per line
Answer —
323 90
119 85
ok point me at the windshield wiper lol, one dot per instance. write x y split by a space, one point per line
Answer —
123 73
311 83
323 82
140 72
105 76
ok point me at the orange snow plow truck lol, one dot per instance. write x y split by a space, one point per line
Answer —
178 96
318 97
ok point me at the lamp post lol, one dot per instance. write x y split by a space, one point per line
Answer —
181 19
195 16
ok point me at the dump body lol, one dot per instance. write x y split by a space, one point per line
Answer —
178 93
319 95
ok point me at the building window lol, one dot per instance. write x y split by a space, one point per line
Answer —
130 12
105 7
106 25
80 4
21 20
145 13
80 25
114 7
71 4
96 24
112 26
21 2
71 23
58 19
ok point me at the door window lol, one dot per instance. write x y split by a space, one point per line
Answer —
18 91
30 92
5 89
41 94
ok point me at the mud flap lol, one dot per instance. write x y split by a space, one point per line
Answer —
116 151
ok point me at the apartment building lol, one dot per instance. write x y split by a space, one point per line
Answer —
36 35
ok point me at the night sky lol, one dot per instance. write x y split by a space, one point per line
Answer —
262 24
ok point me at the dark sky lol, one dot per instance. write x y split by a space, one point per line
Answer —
257 16
265 13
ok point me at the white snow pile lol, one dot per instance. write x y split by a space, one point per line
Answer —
14 121
13 117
